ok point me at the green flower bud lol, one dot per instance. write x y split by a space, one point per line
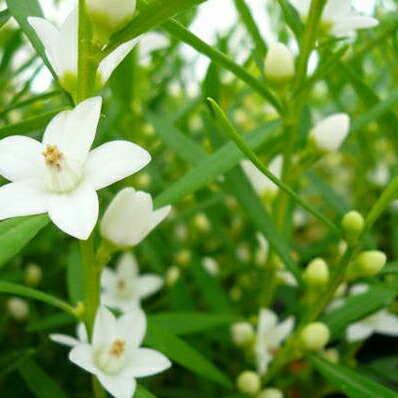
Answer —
242 334
352 224
317 273
315 336
249 382
279 64
270 393
368 263
33 274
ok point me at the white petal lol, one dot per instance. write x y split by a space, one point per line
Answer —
267 321
148 285
81 332
110 300
67 44
330 133
127 266
387 323
358 331
352 23
108 278
64 340
76 212
73 132
146 362
104 327
283 330
302 6
21 158
82 355
159 215
112 61
336 9
117 385
114 161
132 327
263 357
23 198
359 288
49 36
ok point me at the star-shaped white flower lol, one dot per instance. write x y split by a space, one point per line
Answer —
124 288
338 17
130 218
269 337
114 356
61 47
60 176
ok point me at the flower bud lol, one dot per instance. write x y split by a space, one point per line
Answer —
331 355
202 223
352 224
315 336
270 393
242 334
211 266
130 218
172 275
368 263
33 274
108 16
249 382
316 273
279 64
18 308
330 133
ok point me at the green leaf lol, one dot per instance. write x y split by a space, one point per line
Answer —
16 233
21 10
349 381
4 17
358 307
29 125
180 352
190 322
11 360
38 381
142 392
75 277
292 18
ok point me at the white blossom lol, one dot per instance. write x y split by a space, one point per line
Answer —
338 16
130 218
60 176
279 63
114 356
124 288
270 335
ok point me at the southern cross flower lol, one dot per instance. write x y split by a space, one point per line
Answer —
270 335
62 50
124 288
114 356
338 17
130 218
60 176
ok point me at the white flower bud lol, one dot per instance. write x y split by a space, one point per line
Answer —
110 15
249 382
130 218
211 266
317 273
172 275
18 308
353 224
368 263
270 393
330 133
279 64
315 336
242 334
33 274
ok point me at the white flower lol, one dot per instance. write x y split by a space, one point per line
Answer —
270 335
114 356
279 63
60 176
70 341
338 17
262 184
330 132
62 48
130 218
124 288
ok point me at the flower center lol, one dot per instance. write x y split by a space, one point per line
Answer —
123 288
62 174
111 359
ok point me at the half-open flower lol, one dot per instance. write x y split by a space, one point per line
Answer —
130 218
61 47
124 288
114 356
60 176
338 17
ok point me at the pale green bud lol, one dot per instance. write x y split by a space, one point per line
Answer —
172 275
242 334
368 263
249 382
279 64
33 274
316 273
352 224
270 393
315 336
18 308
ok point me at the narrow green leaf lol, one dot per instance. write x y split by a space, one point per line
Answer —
142 392
16 233
38 381
4 17
349 381
11 360
75 277
180 352
292 18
